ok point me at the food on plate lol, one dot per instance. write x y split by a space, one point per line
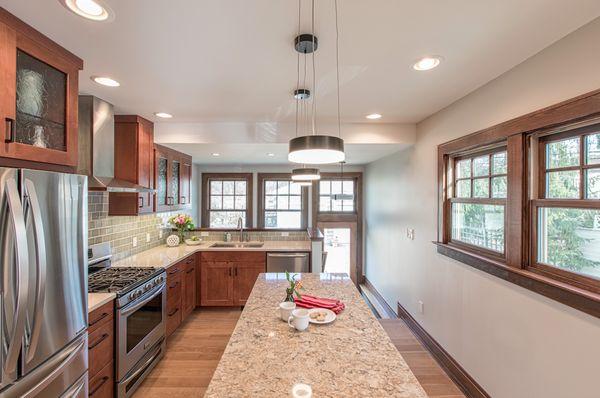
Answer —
318 316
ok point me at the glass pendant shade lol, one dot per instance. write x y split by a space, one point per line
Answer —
316 149
306 174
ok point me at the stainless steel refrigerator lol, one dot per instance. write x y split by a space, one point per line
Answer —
43 298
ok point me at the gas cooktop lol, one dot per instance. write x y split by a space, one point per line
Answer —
120 280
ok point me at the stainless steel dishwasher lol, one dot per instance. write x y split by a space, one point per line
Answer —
291 262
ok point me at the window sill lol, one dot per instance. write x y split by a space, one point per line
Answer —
572 296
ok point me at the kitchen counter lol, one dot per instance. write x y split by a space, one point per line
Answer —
97 300
352 357
164 256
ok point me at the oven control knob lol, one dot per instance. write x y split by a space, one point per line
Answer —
148 286
131 296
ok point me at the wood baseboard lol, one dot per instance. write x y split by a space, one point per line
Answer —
460 376
389 312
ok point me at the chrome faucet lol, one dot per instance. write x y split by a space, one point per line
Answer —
241 228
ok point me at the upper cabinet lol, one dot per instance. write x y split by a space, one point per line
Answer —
38 96
134 162
173 179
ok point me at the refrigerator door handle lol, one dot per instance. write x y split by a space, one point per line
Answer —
33 333
22 277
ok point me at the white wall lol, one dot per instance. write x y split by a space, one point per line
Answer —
515 343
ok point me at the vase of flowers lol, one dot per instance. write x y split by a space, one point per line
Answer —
294 287
182 223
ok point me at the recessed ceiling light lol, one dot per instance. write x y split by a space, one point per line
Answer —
95 10
373 116
216 154
427 63
270 154
106 81
164 115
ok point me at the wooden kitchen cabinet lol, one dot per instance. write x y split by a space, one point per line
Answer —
188 286
227 278
173 298
38 98
134 162
101 351
173 179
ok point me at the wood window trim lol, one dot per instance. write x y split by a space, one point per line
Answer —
515 134
206 177
261 177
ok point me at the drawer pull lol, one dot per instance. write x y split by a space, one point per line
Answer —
176 270
104 315
95 389
190 271
100 340
174 285
141 201
174 312
189 261
10 130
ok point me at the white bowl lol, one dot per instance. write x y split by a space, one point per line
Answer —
190 242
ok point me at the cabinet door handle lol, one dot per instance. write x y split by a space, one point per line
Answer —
97 342
183 200
102 381
104 315
10 129
230 271
141 201
173 286
174 312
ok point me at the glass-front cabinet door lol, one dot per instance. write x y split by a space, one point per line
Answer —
39 99
175 174
162 180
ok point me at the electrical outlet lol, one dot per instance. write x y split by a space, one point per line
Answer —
410 233
285 234
134 242
204 233
421 307
147 237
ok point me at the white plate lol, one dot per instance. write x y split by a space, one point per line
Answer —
190 242
330 317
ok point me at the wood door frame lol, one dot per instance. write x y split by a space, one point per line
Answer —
356 216
353 226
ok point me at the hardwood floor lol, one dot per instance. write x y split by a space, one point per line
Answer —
432 377
194 351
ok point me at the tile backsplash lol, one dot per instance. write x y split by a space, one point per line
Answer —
120 230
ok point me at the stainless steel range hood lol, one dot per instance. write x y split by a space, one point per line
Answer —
97 147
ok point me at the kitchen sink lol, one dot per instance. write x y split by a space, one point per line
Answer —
239 245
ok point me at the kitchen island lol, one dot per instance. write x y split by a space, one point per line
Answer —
352 357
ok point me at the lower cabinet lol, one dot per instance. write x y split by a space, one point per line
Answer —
181 292
101 351
227 278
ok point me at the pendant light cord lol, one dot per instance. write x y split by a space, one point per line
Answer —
314 95
298 67
337 69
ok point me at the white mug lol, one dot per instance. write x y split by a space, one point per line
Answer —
285 310
299 319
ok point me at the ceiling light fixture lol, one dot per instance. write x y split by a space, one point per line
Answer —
163 115
106 81
373 116
95 10
316 148
427 63
216 154
306 174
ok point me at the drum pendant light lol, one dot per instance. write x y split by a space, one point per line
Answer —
306 174
317 148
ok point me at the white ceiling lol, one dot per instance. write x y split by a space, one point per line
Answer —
233 60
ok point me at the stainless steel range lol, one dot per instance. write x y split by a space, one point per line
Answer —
140 315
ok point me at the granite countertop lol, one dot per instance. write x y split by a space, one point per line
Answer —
352 357
97 300
164 256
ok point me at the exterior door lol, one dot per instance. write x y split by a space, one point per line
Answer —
217 283
340 243
55 208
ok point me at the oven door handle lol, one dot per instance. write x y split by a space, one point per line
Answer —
143 367
136 306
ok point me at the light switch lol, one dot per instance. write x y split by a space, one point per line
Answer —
134 242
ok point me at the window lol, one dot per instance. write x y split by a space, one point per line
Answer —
479 200
336 196
568 214
283 203
227 199
521 201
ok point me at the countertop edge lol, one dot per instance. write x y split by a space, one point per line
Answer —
97 300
